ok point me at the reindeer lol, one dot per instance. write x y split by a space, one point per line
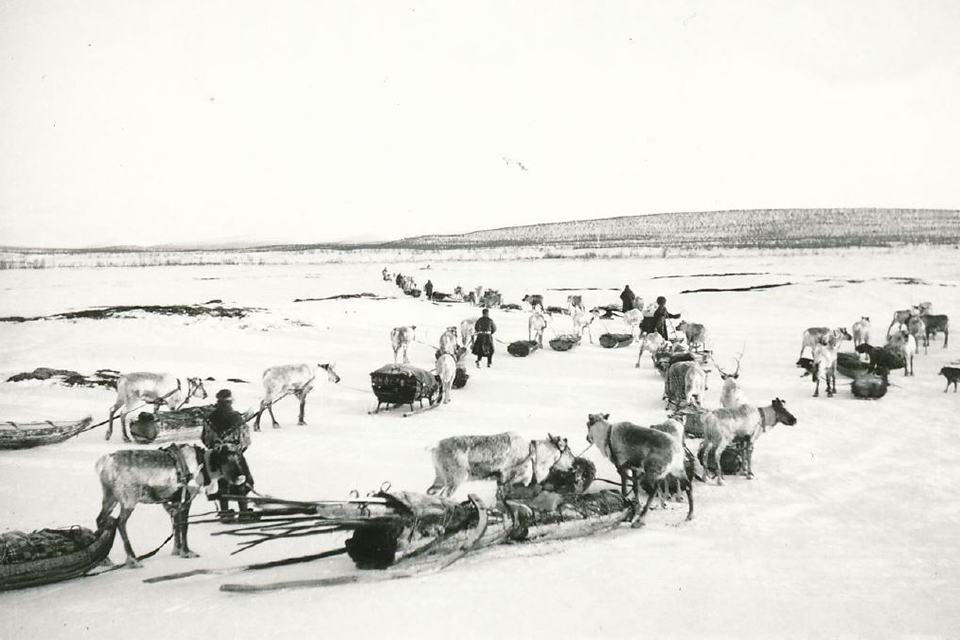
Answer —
575 304
696 335
507 457
903 316
825 364
861 331
535 326
813 336
684 384
732 394
535 300
446 369
908 348
150 388
721 427
651 342
634 449
282 380
400 338
917 328
448 341
171 476
935 323
468 332
582 322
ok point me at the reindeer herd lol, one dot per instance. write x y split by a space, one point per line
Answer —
656 456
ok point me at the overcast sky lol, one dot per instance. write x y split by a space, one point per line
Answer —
155 122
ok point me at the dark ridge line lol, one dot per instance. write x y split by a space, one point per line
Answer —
583 289
754 288
342 296
714 275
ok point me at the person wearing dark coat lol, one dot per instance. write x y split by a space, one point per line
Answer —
428 289
228 427
483 344
627 297
660 317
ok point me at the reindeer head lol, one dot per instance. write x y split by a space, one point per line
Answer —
452 331
736 374
593 419
784 416
331 372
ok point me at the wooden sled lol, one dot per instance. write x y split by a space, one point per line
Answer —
399 384
24 435
32 573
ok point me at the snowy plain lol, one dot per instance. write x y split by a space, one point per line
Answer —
850 530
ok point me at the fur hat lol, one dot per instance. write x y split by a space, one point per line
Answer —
223 395
661 300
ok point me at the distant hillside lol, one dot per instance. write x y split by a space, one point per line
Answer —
765 228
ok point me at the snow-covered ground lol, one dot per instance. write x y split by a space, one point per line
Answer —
849 530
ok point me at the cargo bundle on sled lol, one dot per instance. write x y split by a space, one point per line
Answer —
399 384
52 555
177 424
616 340
564 342
24 435
522 348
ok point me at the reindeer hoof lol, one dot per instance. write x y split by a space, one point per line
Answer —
276 425
133 563
637 524
126 439
301 424
189 554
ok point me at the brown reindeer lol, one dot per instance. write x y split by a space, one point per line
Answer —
653 454
171 476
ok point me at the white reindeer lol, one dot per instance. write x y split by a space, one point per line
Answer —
448 341
400 338
446 371
535 327
142 387
908 349
861 331
582 321
651 342
468 332
298 379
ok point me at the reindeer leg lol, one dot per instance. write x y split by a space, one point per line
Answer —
123 427
172 510
689 491
638 520
113 410
276 425
716 458
256 424
125 514
303 407
183 515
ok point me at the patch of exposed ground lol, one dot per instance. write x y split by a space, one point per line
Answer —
103 313
758 287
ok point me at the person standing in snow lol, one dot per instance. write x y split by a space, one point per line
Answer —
628 298
226 427
660 317
483 343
